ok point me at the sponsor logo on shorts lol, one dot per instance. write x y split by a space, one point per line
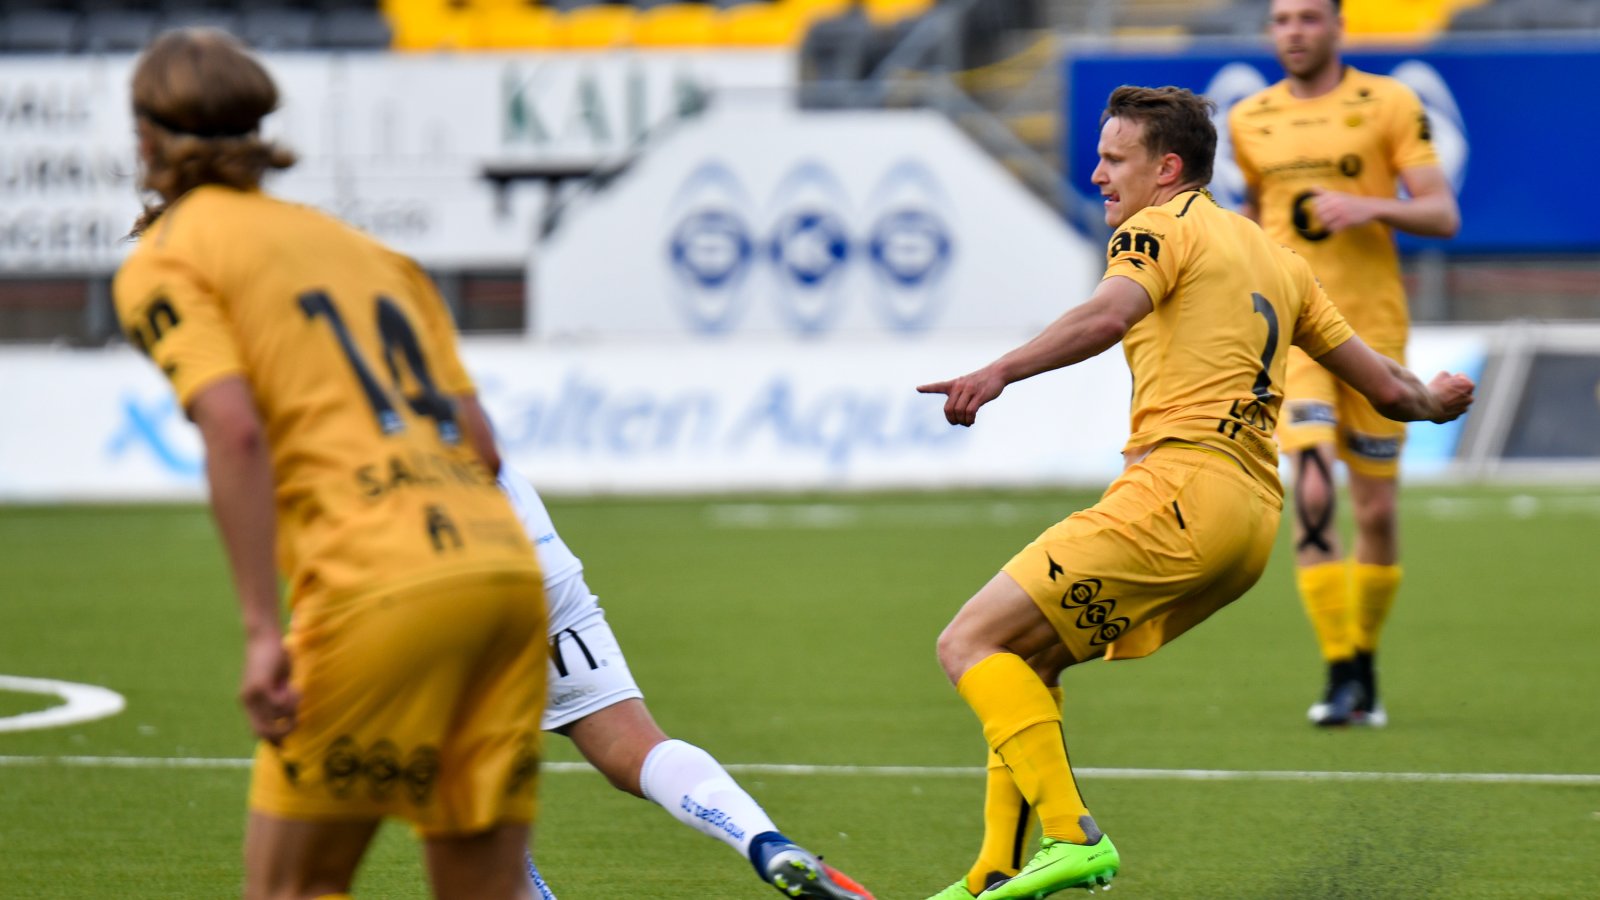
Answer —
1312 413
379 768
382 769
523 769
421 771
341 766
1094 612
1366 445
714 817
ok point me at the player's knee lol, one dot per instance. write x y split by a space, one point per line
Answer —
1314 490
953 649
1314 499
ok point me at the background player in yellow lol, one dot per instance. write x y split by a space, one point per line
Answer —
317 365
1322 153
1206 306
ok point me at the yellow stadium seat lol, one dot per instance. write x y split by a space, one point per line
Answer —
884 12
811 10
1400 18
597 27
430 25
677 25
762 25
518 24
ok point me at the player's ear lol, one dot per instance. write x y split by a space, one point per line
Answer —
1171 169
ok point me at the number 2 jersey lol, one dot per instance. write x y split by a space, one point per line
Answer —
1356 139
1208 363
350 356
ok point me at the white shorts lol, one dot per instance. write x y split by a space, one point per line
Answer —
587 670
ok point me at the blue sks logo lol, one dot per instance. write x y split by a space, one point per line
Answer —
711 250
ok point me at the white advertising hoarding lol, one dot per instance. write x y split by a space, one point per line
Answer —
759 220
397 144
620 417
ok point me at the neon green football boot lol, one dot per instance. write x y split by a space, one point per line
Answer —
1057 866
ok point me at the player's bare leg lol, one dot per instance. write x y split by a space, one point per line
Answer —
290 859
1316 532
626 745
616 741
484 865
1374 580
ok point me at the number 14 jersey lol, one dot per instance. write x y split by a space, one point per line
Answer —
351 358
1208 363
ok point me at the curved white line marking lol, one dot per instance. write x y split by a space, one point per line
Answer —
85 703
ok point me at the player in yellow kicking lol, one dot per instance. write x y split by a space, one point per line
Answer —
1323 152
1206 306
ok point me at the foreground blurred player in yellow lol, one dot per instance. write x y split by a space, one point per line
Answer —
1322 153
1206 306
317 364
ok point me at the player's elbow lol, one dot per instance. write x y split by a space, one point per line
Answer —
1453 228
1446 219
1394 399
239 436
1449 222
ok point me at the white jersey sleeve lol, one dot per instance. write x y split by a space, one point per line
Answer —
555 560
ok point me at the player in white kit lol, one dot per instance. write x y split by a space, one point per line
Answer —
595 702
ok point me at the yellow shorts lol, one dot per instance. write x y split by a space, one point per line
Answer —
1176 537
421 702
1318 408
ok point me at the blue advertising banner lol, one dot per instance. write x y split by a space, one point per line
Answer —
1506 126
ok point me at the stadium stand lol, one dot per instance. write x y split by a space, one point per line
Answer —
38 26
1528 15
102 26
112 26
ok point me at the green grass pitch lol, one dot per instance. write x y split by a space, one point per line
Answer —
801 630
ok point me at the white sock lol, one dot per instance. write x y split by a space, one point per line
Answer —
687 782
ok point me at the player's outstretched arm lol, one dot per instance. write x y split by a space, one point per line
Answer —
1393 390
1080 333
239 470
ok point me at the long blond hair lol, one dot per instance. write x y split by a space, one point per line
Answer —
198 101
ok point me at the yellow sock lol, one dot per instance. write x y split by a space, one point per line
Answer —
1006 817
1324 590
1372 590
1023 726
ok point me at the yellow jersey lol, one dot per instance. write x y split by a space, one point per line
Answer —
1356 139
351 359
1208 363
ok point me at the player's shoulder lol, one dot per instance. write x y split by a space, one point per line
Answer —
1265 102
1380 88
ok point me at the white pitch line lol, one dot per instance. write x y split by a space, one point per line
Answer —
1582 779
